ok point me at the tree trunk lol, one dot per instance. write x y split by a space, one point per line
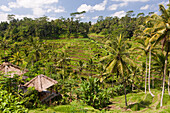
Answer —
112 84
133 84
142 77
149 73
163 87
168 84
125 92
146 73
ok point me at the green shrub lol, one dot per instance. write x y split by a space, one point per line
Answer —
31 98
117 90
135 107
148 99
166 98
91 93
10 103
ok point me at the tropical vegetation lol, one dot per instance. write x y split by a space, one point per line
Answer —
114 65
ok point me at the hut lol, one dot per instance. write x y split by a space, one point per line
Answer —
10 69
41 83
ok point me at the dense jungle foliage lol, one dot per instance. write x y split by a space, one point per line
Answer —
118 62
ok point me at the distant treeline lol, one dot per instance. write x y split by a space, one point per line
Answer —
70 27
43 28
126 25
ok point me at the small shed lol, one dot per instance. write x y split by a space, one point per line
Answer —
10 69
41 83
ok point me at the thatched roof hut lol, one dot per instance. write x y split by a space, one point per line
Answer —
10 69
41 83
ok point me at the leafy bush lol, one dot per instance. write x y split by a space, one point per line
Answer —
91 93
117 90
31 98
148 98
11 104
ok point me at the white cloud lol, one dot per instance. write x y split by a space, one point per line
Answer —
119 14
38 11
97 7
131 0
144 7
52 18
38 6
164 3
3 16
93 23
13 5
115 6
154 7
22 16
84 7
101 6
31 3
96 17
60 9
4 8
81 16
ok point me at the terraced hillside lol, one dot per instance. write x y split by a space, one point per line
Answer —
84 53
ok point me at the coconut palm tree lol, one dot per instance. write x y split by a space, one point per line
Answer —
17 58
161 32
142 36
5 45
142 49
119 60
35 49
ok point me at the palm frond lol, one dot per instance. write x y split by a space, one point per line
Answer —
164 12
111 66
106 57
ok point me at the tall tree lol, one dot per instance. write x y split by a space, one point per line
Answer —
161 32
119 60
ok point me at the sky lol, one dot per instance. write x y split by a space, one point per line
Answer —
62 8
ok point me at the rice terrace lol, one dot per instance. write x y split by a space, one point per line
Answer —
100 56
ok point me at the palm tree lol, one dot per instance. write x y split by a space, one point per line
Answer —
63 63
17 58
142 47
5 44
161 31
150 73
148 35
119 60
35 49
159 63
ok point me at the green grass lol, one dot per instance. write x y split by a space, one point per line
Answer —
74 107
141 102
96 35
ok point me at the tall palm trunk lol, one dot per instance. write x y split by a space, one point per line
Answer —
168 83
149 73
125 91
146 73
163 87
133 81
